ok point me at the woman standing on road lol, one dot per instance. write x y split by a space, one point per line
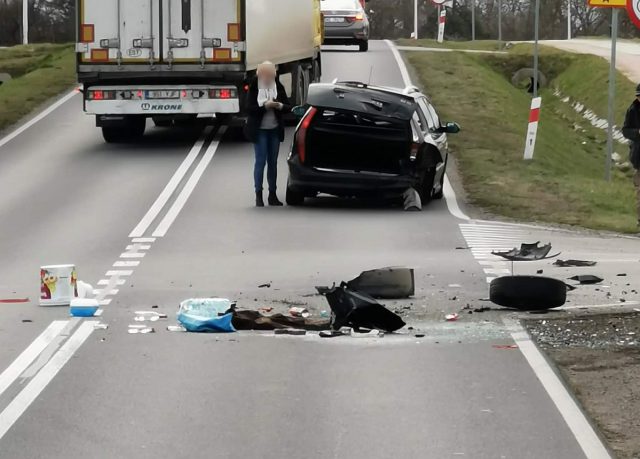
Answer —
266 102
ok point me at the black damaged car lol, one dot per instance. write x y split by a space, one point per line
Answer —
357 140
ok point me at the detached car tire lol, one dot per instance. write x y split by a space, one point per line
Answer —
529 293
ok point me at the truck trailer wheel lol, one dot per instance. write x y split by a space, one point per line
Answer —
128 131
529 293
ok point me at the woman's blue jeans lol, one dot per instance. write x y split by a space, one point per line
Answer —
267 146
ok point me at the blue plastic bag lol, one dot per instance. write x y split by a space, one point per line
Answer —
204 315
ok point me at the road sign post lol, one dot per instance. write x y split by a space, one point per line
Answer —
612 92
535 50
614 5
415 19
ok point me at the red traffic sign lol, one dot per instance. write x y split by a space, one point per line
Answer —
633 7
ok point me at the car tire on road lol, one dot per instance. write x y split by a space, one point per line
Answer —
529 293
364 46
294 197
426 190
440 193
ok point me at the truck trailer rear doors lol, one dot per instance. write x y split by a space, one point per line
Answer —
166 32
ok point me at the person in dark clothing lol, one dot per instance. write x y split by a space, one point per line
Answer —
266 102
631 130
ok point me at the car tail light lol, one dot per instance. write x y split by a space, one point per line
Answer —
99 94
356 18
413 153
301 137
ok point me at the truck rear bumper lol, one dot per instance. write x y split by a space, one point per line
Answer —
141 100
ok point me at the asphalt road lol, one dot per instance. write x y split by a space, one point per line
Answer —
68 197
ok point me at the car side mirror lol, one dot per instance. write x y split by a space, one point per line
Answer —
450 128
299 111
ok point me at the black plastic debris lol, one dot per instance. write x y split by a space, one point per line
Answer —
574 263
527 252
267 285
570 287
290 331
387 283
622 275
331 334
587 279
359 310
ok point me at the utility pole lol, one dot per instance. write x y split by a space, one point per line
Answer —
415 19
612 91
473 20
25 22
535 49
500 23
568 19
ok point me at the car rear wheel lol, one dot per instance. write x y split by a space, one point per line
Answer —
364 46
440 193
294 197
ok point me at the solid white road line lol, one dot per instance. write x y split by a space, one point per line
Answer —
171 187
583 431
30 354
449 194
19 405
181 200
37 118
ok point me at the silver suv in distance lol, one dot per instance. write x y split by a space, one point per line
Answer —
345 23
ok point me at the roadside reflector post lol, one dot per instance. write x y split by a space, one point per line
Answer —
532 130
415 19
442 20
612 92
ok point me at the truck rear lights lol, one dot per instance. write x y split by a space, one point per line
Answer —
211 42
178 42
223 93
99 94
87 33
301 136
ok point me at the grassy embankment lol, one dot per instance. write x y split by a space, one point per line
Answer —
564 182
39 72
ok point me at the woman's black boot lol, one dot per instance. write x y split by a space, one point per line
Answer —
259 200
273 199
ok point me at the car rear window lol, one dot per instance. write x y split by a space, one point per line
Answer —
359 120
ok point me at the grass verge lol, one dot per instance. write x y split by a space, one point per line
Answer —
483 45
38 73
564 183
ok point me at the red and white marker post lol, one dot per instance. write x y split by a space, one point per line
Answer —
633 8
442 20
532 131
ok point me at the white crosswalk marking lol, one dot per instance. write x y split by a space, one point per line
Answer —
483 238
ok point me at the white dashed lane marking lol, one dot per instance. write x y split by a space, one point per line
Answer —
484 238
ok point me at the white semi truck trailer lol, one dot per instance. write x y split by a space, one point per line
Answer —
184 59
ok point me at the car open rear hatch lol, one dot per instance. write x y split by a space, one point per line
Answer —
355 130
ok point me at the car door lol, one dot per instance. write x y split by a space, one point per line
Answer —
433 131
